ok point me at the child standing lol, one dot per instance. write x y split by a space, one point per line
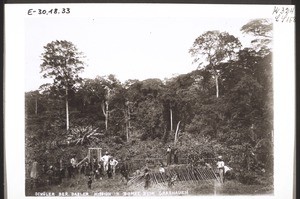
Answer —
90 182
124 169
147 179
109 171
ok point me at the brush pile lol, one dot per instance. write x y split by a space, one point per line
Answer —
176 173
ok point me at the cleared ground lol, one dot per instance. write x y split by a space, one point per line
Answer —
115 187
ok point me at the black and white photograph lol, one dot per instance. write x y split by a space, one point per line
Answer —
151 100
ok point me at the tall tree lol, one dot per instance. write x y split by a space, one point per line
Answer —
261 29
214 47
111 83
63 62
101 90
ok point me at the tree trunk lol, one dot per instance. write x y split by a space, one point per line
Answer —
125 111
127 132
176 133
67 110
217 85
171 120
36 105
128 117
105 113
128 123
248 162
106 116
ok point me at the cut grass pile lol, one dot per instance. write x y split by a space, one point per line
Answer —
115 187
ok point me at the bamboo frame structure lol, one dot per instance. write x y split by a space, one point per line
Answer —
99 154
189 175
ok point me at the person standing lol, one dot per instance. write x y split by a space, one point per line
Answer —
105 160
90 182
169 155
147 179
50 173
86 168
109 170
220 167
73 166
34 173
73 162
175 156
100 170
113 163
161 169
124 170
94 165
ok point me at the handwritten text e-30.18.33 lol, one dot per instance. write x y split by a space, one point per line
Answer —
53 11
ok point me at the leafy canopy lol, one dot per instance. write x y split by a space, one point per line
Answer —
63 62
214 47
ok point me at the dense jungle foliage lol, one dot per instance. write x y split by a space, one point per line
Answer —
223 108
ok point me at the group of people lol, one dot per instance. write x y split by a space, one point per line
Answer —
222 169
106 166
93 169
109 164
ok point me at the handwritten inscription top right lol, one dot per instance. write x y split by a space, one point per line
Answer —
284 14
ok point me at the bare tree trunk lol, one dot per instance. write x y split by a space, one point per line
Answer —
125 111
127 132
128 122
176 133
171 119
248 162
128 117
217 85
67 110
105 113
106 116
36 105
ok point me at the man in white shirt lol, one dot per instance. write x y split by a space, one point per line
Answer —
73 162
220 166
161 169
105 160
113 163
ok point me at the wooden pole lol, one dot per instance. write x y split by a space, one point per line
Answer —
176 133
215 176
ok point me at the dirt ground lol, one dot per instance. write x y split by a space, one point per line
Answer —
116 187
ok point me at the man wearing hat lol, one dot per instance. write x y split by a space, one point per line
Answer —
220 166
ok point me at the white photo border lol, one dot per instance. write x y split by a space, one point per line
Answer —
284 82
